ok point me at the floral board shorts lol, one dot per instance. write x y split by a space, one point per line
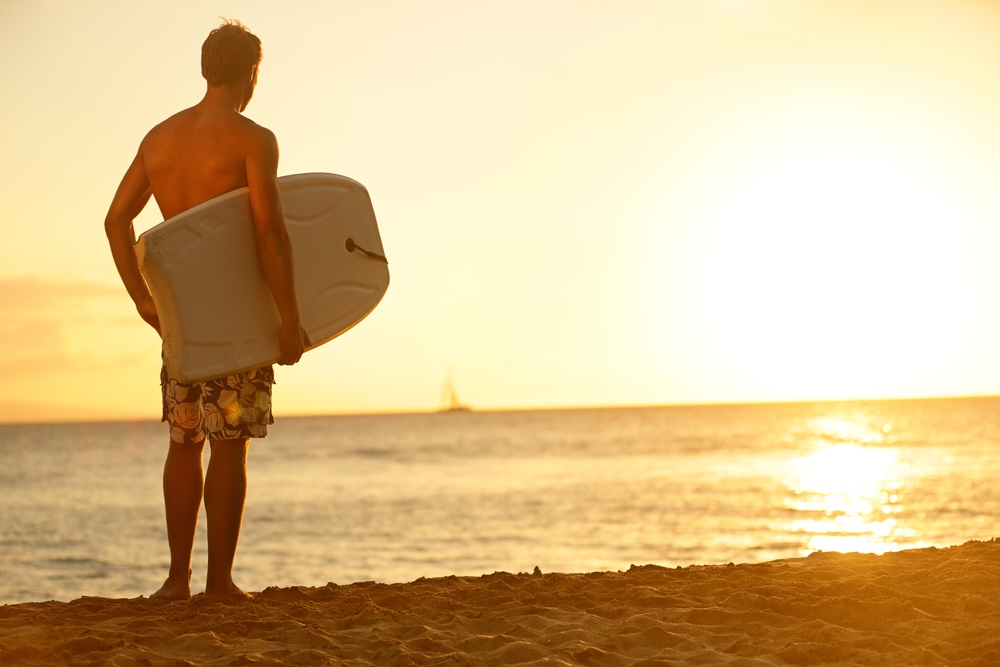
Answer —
229 408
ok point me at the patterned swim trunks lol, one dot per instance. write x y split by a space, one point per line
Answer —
229 408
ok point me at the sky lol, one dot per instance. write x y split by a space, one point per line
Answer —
582 203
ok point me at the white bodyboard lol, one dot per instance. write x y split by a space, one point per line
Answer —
217 315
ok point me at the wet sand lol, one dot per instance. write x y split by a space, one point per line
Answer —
917 607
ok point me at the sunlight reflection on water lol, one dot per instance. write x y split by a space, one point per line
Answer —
397 497
850 488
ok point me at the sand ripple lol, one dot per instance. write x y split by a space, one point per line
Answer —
919 607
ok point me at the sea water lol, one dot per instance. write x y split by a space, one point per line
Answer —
396 497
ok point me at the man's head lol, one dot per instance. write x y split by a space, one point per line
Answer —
230 53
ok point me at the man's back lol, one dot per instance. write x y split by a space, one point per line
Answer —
198 154
191 157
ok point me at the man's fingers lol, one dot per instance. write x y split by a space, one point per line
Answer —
289 357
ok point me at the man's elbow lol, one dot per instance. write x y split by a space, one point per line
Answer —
111 226
116 227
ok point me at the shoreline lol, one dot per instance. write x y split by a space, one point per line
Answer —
919 606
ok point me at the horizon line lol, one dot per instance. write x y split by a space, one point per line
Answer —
538 408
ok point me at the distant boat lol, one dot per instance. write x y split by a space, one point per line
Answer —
449 398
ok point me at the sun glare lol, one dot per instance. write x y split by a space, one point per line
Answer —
831 264
849 490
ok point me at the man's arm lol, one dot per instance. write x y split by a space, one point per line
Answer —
274 250
132 195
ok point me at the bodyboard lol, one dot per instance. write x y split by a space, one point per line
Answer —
217 314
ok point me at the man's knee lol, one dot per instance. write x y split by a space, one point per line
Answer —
187 448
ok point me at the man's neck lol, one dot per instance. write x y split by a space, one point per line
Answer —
224 97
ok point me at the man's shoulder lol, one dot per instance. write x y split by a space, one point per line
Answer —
258 132
186 126
165 127
236 121
259 142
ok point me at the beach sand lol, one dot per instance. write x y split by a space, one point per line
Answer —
917 607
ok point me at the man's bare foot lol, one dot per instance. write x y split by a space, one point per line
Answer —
173 589
229 590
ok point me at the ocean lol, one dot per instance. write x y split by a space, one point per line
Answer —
393 498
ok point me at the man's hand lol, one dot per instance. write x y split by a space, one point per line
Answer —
293 341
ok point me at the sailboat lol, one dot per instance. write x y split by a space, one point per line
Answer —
449 398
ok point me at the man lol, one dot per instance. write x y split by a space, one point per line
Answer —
193 156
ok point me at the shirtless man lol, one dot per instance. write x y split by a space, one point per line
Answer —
197 154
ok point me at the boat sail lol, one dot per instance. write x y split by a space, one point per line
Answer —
449 397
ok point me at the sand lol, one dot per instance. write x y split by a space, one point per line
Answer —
918 607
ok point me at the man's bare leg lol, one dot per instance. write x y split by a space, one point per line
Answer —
225 497
182 491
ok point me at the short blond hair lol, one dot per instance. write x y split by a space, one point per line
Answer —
229 52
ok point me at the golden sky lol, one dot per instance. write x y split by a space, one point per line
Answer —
583 203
